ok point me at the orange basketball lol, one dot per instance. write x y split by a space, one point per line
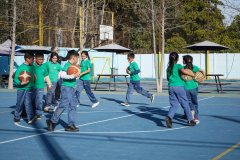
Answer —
35 77
24 76
73 69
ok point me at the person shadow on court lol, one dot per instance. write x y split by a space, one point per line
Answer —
149 112
119 102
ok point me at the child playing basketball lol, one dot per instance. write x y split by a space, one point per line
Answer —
53 69
41 73
176 90
25 90
133 70
192 87
84 80
68 96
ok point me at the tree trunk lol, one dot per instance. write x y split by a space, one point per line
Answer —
10 83
154 48
92 45
163 40
56 32
82 30
102 19
86 24
74 26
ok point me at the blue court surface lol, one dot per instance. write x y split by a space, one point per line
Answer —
112 131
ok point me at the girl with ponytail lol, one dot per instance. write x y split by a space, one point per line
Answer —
176 90
191 88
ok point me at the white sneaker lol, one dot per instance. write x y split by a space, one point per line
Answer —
196 120
31 121
95 105
125 104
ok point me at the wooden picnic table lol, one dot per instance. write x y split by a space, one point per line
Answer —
217 81
111 76
2 81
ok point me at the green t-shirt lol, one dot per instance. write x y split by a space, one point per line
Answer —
85 64
175 78
68 82
53 70
134 67
30 69
192 84
41 72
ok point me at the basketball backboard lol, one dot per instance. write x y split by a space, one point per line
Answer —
106 33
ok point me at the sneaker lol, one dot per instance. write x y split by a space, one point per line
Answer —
75 127
17 120
95 105
184 116
191 123
168 121
196 120
46 109
50 125
125 104
39 117
192 111
71 129
152 98
31 121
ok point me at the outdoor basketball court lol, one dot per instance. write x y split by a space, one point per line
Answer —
112 131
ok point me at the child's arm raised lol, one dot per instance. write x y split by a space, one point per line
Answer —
184 71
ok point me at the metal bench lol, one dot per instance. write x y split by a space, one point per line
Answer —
217 82
111 76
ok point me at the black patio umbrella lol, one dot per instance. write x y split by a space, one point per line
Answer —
113 48
34 49
206 45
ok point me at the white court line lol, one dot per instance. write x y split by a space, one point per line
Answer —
163 130
83 125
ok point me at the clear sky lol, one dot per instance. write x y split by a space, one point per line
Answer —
228 12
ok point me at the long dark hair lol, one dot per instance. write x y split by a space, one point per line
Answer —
172 58
86 53
188 60
53 54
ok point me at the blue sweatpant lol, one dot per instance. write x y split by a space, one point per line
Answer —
24 98
68 99
192 100
86 85
177 94
50 97
136 85
37 100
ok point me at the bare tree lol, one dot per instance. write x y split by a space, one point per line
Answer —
10 86
75 22
154 46
163 44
